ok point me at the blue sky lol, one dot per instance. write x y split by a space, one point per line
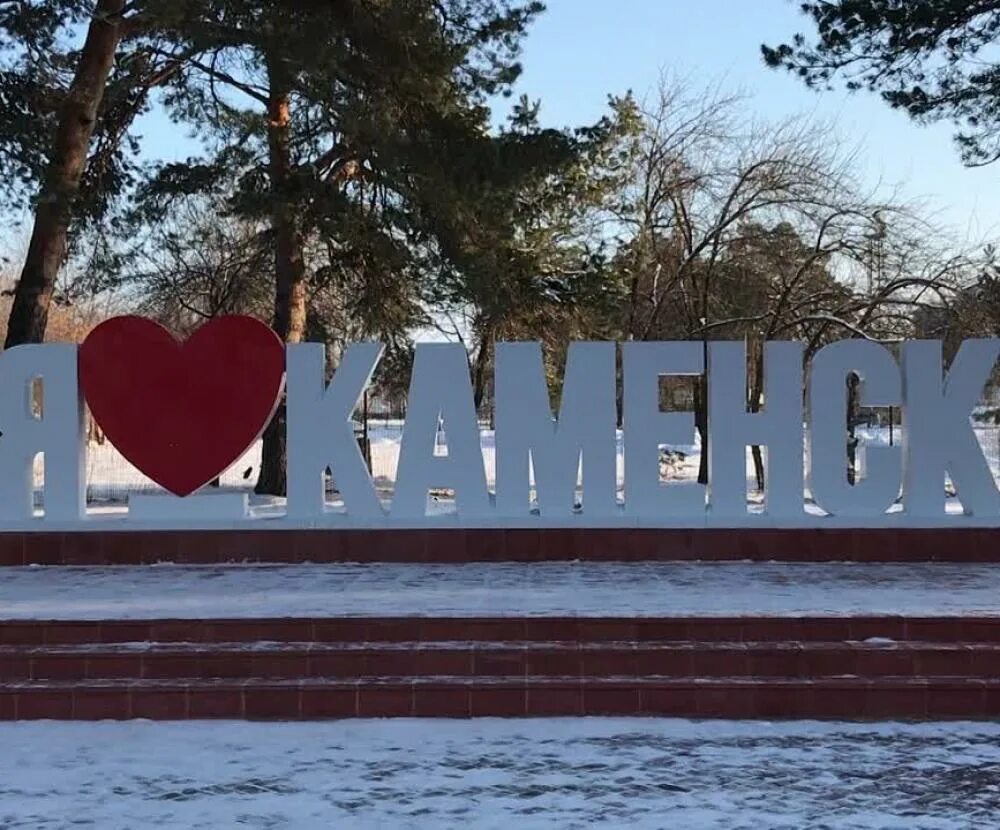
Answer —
579 51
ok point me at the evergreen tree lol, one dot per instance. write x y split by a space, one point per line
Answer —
524 239
333 122
65 117
934 59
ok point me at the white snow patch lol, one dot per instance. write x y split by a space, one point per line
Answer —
542 589
545 773
111 478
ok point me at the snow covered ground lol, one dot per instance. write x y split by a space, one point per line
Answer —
110 477
562 589
568 773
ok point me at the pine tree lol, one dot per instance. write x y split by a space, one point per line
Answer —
522 239
332 122
934 59
65 117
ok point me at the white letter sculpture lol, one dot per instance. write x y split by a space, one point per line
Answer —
525 429
938 436
440 390
57 432
320 431
647 428
732 429
880 385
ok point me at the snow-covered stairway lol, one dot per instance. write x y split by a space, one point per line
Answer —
467 637
328 667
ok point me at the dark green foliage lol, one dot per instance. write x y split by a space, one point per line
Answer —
39 42
356 135
522 232
934 59
404 195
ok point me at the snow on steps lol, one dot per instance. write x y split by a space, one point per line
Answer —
875 667
476 590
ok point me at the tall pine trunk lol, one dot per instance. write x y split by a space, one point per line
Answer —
289 260
53 213
479 369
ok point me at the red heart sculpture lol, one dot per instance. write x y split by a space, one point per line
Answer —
182 412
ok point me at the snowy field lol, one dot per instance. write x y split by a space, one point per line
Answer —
561 589
558 773
110 477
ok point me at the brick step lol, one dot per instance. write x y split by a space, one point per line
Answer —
490 659
622 544
317 698
965 629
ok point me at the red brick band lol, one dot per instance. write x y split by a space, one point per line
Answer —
965 629
854 698
100 547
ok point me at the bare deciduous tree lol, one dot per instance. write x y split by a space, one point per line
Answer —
734 227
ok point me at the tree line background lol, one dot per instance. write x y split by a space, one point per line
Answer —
352 185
